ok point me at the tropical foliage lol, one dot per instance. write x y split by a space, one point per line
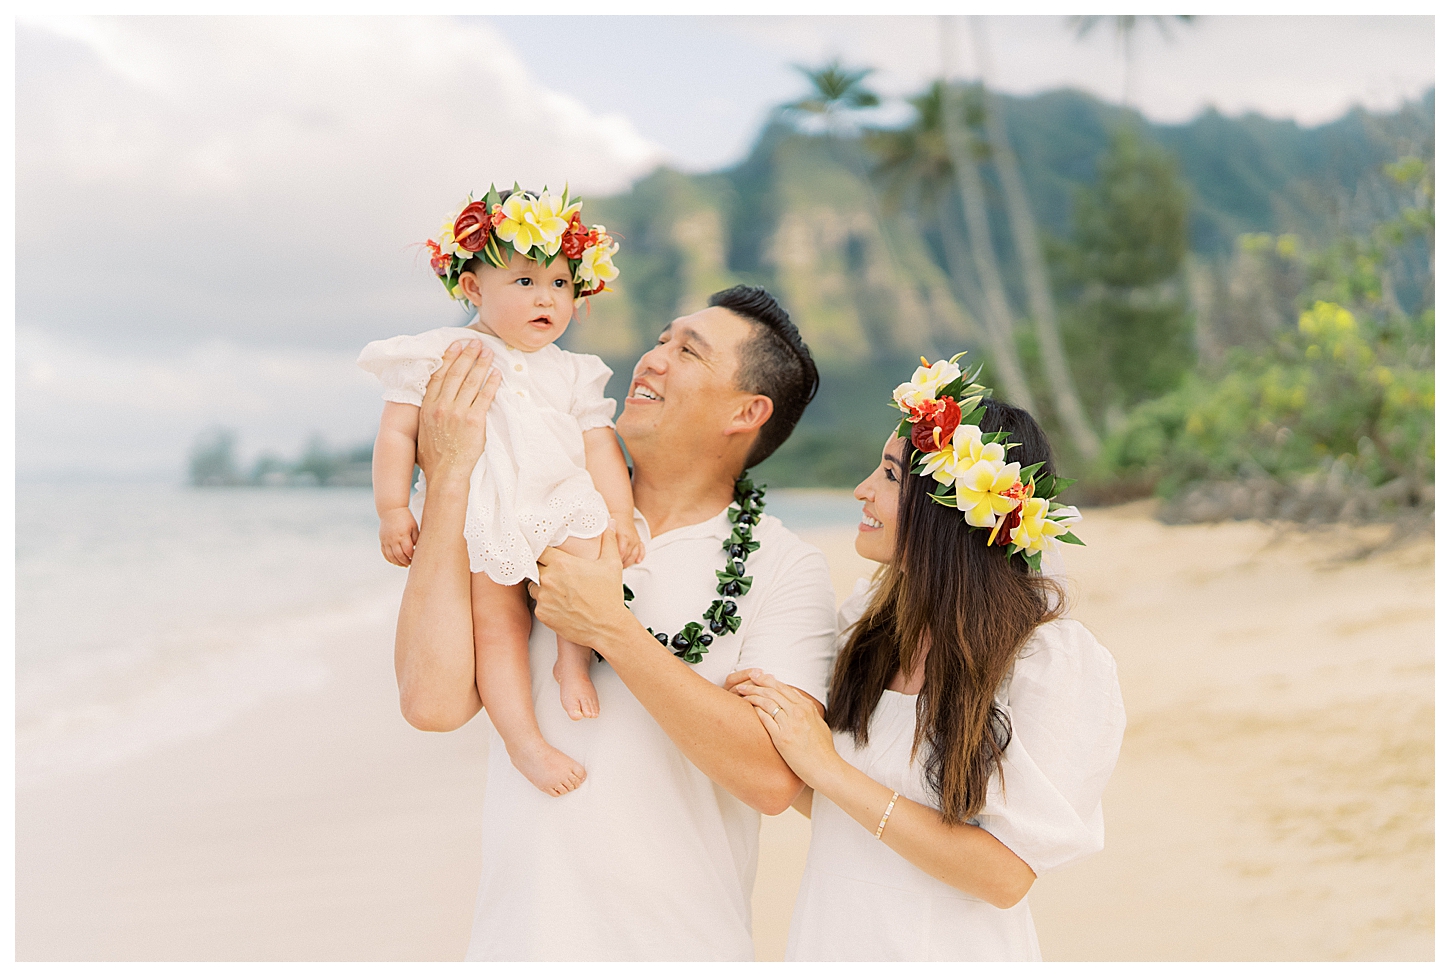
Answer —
1351 385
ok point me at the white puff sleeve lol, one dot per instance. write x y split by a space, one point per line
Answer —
589 405
404 364
1067 726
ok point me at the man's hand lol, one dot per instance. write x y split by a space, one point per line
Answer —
582 600
451 428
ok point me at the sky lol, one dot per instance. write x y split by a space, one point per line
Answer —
248 190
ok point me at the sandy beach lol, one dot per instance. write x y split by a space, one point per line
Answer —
1273 801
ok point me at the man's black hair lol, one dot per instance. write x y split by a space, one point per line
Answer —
774 361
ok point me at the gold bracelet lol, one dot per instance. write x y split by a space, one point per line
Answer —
882 826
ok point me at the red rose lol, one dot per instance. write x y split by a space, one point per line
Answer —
472 227
936 422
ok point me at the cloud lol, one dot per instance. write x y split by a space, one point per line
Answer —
259 180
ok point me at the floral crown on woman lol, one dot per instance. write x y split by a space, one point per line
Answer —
499 226
943 407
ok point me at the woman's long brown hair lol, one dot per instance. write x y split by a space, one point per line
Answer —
971 606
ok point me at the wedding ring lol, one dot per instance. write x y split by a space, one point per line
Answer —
777 709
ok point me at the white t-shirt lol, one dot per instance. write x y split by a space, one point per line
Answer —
648 859
860 900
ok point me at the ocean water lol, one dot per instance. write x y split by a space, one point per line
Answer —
151 613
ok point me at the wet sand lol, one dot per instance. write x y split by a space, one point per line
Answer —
1274 799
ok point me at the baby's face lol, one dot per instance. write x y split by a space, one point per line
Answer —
527 305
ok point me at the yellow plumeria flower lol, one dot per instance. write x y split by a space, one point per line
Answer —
520 226
596 264
553 219
446 244
924 384
980 491
1038 531
964 451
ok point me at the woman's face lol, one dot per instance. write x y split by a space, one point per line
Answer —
876 536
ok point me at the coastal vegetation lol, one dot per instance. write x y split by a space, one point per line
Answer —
213 463
1155 293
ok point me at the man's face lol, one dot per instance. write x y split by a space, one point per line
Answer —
682 394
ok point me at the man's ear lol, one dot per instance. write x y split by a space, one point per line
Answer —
751 415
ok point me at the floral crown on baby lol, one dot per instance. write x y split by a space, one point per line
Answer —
503 224
943 407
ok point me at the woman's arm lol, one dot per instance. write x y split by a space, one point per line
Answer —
803 800
963 856
604 461
433 652
394 453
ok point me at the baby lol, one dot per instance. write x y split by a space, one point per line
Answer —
552 473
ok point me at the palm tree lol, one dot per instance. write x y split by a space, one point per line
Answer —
837 91
998 311
1124 26
918 168
1034 269
915 169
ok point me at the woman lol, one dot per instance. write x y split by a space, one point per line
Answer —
970 727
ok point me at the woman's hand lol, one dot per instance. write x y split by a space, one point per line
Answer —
451 427
794 722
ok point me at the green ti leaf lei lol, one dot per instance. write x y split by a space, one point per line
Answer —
694 639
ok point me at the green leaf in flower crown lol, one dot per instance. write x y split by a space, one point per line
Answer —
1070 538
1034 560
492 197
1046 487
492 255
975 416
903 430
1025 475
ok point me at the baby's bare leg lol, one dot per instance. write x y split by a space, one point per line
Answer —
571 669
501 625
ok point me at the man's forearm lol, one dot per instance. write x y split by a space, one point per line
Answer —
716 730
433 653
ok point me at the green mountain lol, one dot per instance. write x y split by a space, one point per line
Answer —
868 285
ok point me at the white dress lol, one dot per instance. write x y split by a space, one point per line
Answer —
859 900
648 859
530 489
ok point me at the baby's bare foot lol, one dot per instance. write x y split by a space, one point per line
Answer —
546 768
576 691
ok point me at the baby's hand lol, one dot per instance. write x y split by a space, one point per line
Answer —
398 532
631 549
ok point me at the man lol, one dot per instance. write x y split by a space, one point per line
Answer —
653 855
